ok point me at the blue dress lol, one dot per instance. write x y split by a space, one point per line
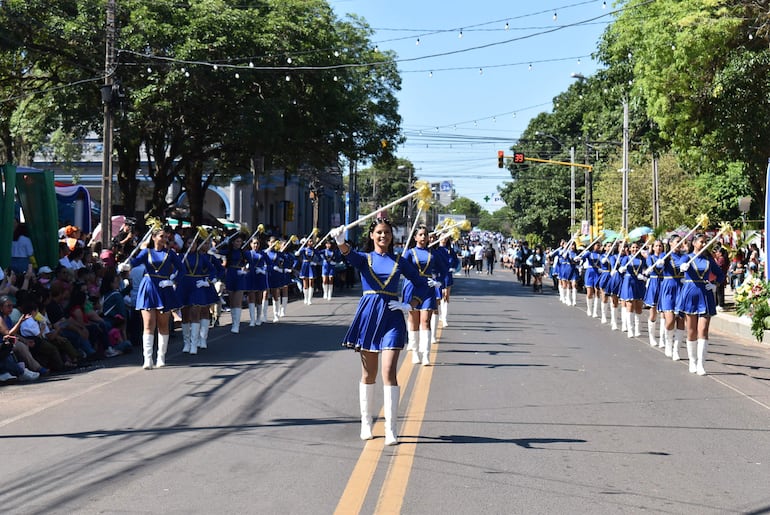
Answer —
235 273
429 267
671 283
569 270
217 272
591 279
693 297
452 263
159 266
654 282
604 272
632 287
376 327
616 278
308 258
329 260
197 267
258 260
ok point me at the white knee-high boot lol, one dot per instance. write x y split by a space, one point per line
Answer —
629 324
392 394
677 342
613 317
252 314
561 293
310 295
662 334
186 336
411 339
425 341
276 309
692 356
258 314
623 318
195 336
162 348
703 346
651 333
588 305
148 342
574 296
595 311
433 328
636 324
284 304
264 311
204 335
604 312
330 291
236 324
445 313
366 402
668 338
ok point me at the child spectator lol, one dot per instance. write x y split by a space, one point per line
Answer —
118 343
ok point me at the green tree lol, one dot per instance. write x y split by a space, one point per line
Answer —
465 206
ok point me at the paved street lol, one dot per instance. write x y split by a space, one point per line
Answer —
530 407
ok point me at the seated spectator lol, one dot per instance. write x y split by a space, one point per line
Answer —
97 331
10 369
60 320
21 349
118 343
31 329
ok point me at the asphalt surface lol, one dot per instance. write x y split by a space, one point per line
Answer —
531 407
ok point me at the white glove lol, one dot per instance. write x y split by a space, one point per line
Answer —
395 305
172 276
622 269
338 234
262 270
297 253
288 270
660 263
433 283
201 283
242 272
711 287
277 269
648 271
613 272
586 265
605 260
166 283
684 266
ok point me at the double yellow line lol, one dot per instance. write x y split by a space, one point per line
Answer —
394 487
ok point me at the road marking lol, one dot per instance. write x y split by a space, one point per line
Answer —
394 487
354 495
739 392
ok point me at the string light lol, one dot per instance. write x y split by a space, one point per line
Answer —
507 26
149 70
251 64
288 78
288 60
604 5
237 75
673 47
530 66
578 60
417 42
460 35
481 71
751 36
215 67
554 16
430 75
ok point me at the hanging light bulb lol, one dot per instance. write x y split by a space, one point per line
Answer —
604 5
436 129
186 74
494 119
183 70
751 36
514 114
578 60
376 48
481 71
630 55
430 75
149 70
251 64
237 75
288 60
288 78
530 66
335 78
673 47
554 16
216 67
336 53
417 42
460 35
507 26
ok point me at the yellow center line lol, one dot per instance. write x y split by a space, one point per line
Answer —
394 487
354 495
397 477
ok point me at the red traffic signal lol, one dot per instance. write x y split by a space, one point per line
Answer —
500 159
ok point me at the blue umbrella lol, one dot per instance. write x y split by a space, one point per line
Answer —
639 232
609 235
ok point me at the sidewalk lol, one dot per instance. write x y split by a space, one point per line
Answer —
729 323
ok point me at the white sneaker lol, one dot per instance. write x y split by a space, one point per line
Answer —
29 375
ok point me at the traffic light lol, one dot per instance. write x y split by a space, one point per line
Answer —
500 159
599 216
289 213
518 158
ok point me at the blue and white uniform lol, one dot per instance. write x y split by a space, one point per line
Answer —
156 291
375 326
429 267
329 260
191 288
654 281
235 269
259 266
308 258
632 285
694 298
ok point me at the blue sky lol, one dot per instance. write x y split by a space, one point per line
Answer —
459 109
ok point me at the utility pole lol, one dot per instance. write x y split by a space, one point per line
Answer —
655 193
589 178
624 223
572 188
107 99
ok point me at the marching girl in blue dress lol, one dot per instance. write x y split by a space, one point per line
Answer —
452 261
555 257
591 264
192 289
308 258
330 257
236 271
378 327
604 279
697 301
569 273
256 281
652 292
632 288
430 267
157 297
277 278
211 294
613 288
669 292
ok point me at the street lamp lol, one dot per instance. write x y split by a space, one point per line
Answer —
571 176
